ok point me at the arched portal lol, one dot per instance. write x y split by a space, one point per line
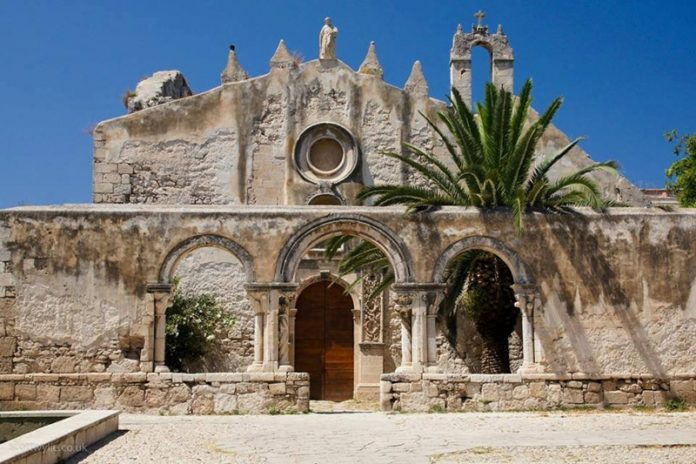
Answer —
324 340
501 276
366 228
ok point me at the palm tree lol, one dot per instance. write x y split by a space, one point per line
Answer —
492 163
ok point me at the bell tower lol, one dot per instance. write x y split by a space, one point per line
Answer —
498 47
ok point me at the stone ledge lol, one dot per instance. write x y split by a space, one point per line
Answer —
159 393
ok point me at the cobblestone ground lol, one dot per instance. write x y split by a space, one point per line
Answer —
372 437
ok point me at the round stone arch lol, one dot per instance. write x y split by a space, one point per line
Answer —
356 225
202 241
520 272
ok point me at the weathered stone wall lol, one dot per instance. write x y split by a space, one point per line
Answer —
235 143
159 393
510 392
219 273
618 294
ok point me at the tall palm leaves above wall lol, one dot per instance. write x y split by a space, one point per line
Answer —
492 162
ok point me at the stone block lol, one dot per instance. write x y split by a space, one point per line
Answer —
63 364
537 389
8 346
654 398
132 396
276 389
50 393
25 392
155 397
574 384
229 388
124 168
684 389
179 394
78 393
251 403
105 167
111 178
473 389
418 386
490 392
7 391
553 394
594 387
122 189
303 392
101 187
224 403
104 397
261 377
6 365
572 396
616 397
593 397
385 387
520 392
401 387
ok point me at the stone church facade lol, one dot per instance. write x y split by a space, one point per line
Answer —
233 191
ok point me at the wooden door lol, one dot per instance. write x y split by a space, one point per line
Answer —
324 341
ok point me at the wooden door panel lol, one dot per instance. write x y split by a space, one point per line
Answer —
324 341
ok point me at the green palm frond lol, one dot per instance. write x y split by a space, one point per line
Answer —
490 160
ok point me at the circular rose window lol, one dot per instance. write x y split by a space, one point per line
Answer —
325 157
325 153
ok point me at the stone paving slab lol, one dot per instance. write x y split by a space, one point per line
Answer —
404 438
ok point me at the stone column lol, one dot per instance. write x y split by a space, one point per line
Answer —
147 354
419 334
418 303
287 301
527 300
292 314
402 305
259 301
160 300
433 307
268 299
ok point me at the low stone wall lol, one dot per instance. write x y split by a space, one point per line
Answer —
159 393
479 392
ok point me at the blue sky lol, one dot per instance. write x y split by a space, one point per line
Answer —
626 68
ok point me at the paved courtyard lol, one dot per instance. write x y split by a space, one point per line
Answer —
372 437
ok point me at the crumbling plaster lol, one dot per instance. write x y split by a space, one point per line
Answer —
615 288
235 143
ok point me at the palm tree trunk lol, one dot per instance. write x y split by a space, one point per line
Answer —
495 358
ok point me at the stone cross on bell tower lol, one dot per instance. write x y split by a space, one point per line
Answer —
502 57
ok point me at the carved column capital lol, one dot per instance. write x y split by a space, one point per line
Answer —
527 298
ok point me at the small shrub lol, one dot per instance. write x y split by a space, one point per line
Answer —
437 408
676 404
194 325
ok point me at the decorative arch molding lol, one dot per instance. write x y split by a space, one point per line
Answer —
351 224
520 271
202 241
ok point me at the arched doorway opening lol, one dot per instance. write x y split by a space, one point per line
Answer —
487 284
324 340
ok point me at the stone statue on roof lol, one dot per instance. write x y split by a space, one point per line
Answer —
327 40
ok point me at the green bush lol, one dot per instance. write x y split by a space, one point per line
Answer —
194 325
676 404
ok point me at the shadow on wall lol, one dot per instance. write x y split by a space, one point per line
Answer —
598 283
